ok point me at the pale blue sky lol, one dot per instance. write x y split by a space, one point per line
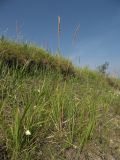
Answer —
99 37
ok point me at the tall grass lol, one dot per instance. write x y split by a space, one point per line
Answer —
44 112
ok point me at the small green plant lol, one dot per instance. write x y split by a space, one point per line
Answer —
103 68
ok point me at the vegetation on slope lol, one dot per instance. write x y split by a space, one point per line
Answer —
50 110
30 56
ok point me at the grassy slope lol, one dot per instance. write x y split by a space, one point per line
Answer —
70 113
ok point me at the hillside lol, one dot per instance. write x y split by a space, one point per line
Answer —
51 110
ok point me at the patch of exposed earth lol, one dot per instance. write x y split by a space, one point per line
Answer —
105 147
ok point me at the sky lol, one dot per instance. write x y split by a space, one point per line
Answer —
97 41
